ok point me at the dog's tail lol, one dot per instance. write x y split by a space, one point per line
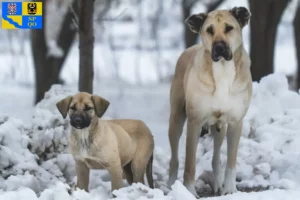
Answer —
149 172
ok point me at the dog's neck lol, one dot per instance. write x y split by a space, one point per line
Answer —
222 73
237 56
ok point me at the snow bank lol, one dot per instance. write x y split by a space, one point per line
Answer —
49 133
35 156
139 192
19 166
271 136
35 163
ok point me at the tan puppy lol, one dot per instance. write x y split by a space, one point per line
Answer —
212 87
116 145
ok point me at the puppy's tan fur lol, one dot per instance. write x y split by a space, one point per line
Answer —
115 145
214 94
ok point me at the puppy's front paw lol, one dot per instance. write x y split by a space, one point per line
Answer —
229 182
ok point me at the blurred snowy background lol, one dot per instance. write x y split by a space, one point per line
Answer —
137 44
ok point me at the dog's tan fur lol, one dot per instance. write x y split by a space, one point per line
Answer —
115 145
214 94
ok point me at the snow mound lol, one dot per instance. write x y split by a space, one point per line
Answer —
19 166
35 156
49 132
271 136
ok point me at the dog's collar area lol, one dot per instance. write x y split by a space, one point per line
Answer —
78 128
220 59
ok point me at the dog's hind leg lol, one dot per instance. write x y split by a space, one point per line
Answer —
233 138
218 136
138 167
128 173
176 123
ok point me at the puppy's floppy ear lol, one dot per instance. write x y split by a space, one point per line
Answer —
241 14
195 22
63 106
100 104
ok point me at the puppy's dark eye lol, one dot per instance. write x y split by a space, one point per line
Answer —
228 28
210 30
87 108
73 108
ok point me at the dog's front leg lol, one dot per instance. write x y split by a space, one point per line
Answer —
193 133
216 163
83 173
116 177
233 138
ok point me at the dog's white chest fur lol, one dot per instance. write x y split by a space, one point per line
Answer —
224 104
223 74
83 142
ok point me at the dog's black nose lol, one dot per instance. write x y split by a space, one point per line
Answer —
77 120
80 121
219 48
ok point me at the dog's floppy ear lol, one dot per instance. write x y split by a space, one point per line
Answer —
241 14
195 22
63 106
100 104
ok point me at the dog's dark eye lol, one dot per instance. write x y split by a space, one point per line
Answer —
228 28
210 30
87 108
73 108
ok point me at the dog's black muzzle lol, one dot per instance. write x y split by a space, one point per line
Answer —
220 49
80 121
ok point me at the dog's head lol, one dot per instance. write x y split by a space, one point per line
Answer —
82 108
220 30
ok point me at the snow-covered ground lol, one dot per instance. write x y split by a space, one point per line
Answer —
35 163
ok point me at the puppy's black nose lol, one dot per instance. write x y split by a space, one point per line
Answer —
77 120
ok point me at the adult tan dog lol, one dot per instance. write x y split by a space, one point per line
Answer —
116 145
212 87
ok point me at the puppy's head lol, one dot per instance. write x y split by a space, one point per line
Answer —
82 108
220 30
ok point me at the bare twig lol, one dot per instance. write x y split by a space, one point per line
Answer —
114 18
75 20
213 5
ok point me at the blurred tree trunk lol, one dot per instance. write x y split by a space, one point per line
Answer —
48 67
190 38
265 18
139 43
297 42
155 35
86 46
39 52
